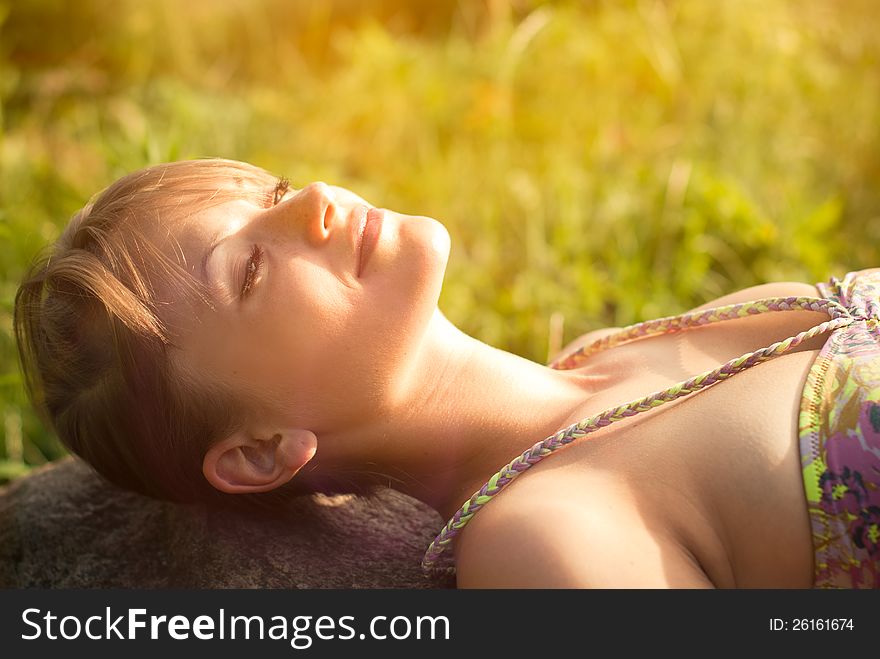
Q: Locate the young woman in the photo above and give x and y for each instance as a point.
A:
(202, 331)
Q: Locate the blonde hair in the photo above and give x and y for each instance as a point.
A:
(94, 340)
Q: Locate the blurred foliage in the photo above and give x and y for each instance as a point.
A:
(606, 161)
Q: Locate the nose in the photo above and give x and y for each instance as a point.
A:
(318, 205)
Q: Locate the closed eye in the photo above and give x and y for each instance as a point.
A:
(254, 265)
(253, 268)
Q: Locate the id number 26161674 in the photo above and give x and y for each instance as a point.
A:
(811, 624)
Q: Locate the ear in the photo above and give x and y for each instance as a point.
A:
(241, 463)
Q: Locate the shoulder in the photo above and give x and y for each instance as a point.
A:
(583, 340)
(776, 289)
(563, 543)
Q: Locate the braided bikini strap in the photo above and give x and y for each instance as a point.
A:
(839, 317)
(693, 319)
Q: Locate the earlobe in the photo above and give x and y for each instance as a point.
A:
(242, 463)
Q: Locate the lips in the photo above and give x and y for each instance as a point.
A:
(368, 236)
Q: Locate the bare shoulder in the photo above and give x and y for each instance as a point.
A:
(776, 289)
(583, 340)
(543, 542)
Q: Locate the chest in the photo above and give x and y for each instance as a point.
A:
(720, 468)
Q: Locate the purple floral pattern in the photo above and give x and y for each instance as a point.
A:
(839, 433)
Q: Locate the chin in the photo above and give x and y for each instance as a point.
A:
(424, 245)
(439, 243)
(414, 278)
(436, 257)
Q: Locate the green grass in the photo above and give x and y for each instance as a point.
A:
(607, 161)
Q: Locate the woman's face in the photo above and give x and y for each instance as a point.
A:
(305, 319)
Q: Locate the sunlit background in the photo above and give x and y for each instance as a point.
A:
(596, 163)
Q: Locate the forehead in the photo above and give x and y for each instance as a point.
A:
(178, 214)
(192, 196)
(185, 208)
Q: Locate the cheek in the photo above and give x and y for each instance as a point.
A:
(335, 351)
(303, 332)
(382, 338)
(328, 380)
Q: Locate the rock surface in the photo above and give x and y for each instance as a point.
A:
(64, 527)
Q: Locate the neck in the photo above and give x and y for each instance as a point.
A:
(466, 410)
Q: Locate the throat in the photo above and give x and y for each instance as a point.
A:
(475, 409)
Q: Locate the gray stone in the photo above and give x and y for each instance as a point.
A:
(63, 526)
